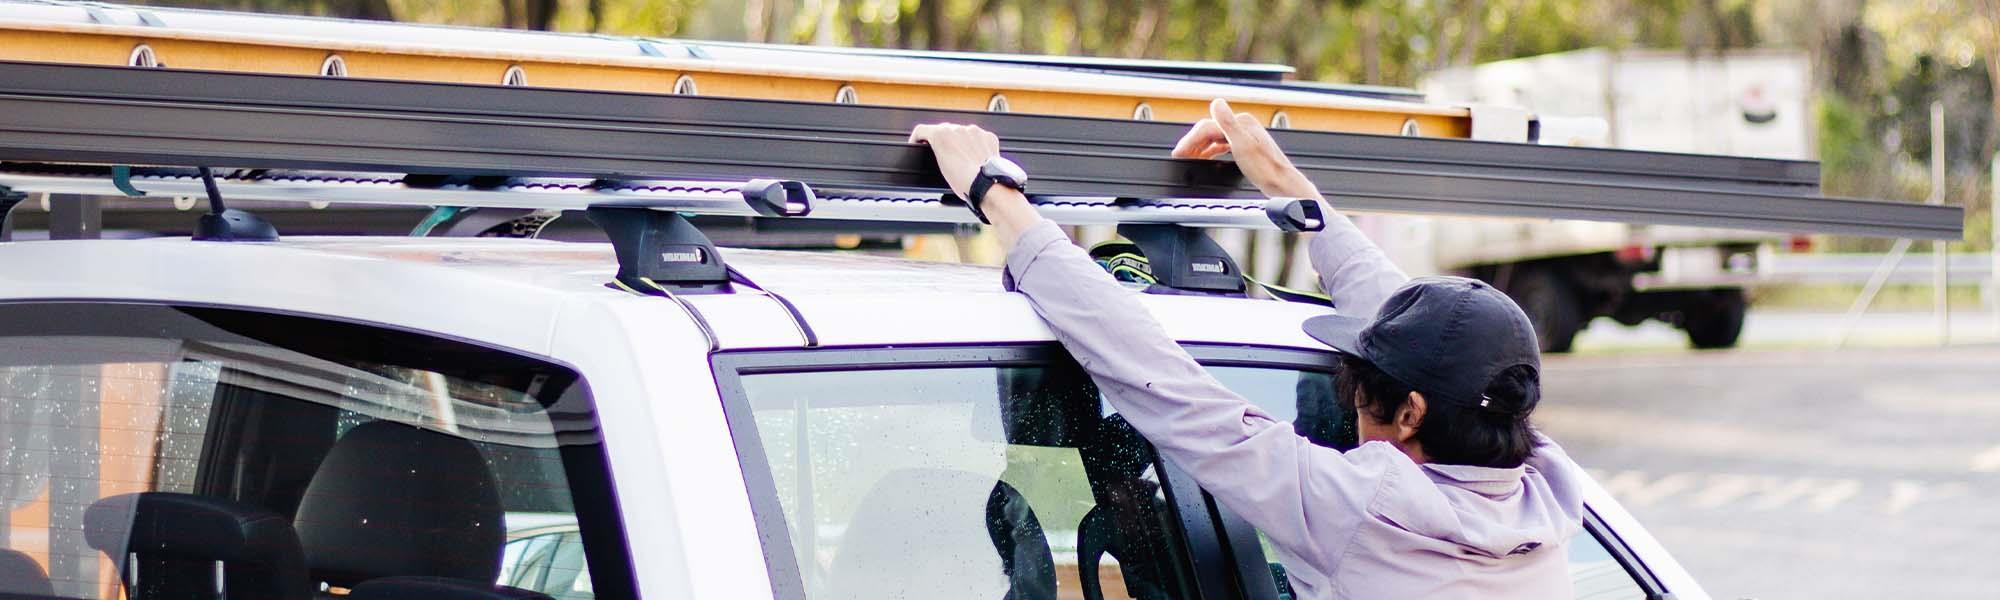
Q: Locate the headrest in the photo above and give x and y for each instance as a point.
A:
(437, 588)
(392, 499)
(171, 525)
(257, 546)
(21, 575)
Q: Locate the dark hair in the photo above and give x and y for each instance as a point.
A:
(1450, 433)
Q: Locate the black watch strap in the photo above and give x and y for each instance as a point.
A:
(976, 195)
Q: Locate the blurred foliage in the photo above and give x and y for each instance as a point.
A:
(1879, 64)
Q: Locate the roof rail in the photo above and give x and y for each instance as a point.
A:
(114, 115)
(752, 198)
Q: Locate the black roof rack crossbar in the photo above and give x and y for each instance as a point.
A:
(113, 115)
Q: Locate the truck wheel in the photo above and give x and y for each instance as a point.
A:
(1715, 319)
(1551, 305)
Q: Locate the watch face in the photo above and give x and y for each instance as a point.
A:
(1005, 171)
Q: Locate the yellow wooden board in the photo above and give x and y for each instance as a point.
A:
(735, 72)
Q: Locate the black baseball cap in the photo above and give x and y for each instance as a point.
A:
(1447, 337)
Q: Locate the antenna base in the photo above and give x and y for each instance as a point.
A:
(233, 225)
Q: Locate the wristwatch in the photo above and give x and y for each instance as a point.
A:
(997, 170)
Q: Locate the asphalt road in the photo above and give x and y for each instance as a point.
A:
(1799, 473)
(1763, 330)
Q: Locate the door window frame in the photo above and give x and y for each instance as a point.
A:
(1627, 559)
(1222, 548)
(586, 467)
(1215, 564)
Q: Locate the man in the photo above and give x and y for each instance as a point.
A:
(1448, 494)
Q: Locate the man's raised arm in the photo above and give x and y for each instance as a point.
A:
(1250, 461)
(1352, 269)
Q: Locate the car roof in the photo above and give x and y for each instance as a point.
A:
(509, 291)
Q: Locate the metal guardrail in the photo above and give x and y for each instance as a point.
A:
(1966, 268)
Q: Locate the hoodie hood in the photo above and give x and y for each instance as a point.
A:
(1494, 513)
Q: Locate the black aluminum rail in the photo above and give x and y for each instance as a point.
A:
(113, 115)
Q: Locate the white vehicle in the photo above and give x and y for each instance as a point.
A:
(246, 416)
(399, 403)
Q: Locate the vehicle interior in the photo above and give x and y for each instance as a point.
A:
(986, 482)
(180, 452)
(1003, 475)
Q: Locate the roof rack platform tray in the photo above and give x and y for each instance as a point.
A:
(160, 117)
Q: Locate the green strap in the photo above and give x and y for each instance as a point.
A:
(1125, 263)
(1292, 295)
(121, 178)
(437, 217)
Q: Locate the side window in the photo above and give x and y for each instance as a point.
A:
(162, 452)
(550, 563)
(1597, 574)
(961, 482)
(1305, 398)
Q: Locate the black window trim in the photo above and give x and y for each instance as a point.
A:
(607, 549)
(1627, 559)
(1251, 571)
(1220, 568)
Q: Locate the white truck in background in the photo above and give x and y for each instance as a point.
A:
(1566, 273)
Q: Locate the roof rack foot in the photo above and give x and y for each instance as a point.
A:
(660, 251)
(1184, 259)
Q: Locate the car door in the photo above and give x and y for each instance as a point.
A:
(965, 472)
(353, 452)
(998, 471)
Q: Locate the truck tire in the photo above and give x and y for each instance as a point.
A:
(1551, 304)
(1714, 319)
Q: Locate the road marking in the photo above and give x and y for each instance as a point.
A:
(1632, 488)
(1821, 495)
(1986, 462)
(1713, 491)
(1904, 493)
(1722, 489)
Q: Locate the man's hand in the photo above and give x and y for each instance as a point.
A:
(961, 150)
(1256, 154)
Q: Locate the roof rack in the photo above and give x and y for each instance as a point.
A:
(116, 115)
(638, 164)
(751, 198)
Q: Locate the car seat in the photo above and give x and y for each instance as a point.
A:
(395, 500)
(924, 533)
(1024, 550)
(168, 544)
(1128, 521)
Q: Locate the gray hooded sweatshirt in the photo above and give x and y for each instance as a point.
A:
(1365, 524)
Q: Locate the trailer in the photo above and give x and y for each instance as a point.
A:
(1740, 103)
